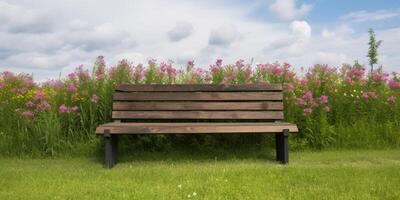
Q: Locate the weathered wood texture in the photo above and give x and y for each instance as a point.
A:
(198, 87)
(197, 96)
(190, 128)
(197, 115)
(197, 106)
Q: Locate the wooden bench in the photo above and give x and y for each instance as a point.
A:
(197, 109)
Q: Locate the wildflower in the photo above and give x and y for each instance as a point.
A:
(207, 78)
(39, 95)
(63, 109)
(327, 109)
(373, 95)
(218, 62)
(307, 110)
(29, 104)
(72, 75)
(289, 86)
(194, 193)
(100, 70)
(71, 88)
(27, 114)
(189, 195)
(74, 108)
(94, 98)
(152, 62)
(391, 99)
(394, 84)
(301, 101)
(179, 186)
(324, 99)
(365, 95)
(44, 105)
(308, 95)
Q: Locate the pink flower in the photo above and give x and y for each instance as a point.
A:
(190, 63)
(45, 105)
(300, 101)
(307, 110)
(75, 108)
(152, 62)
(27, 114)
(63, 109)
(303, 82)
(29, 104)
(373, 95)
(289, 86)
(327, 109)
(207, 78)
(71, 88)
(391, 99)
(365, 95)
(39, 95)
(394, 84)
(308, 95)
(324, 99)
(72, 75)
(94, 98)
(218, 62)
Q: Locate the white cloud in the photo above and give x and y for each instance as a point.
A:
(362, 16)
(288, 10)
(180, 31)
(223, 35)
(129, 30)
(301, 29)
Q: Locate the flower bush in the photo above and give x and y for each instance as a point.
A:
(333, 107)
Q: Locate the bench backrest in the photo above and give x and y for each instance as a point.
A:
(198, 102)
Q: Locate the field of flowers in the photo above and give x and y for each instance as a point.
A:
(342, 107)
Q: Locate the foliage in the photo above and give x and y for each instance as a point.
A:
(310, 175)
(334, 107)
(373, 48)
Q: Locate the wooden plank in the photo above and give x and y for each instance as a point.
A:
(193, 128)
(198, 105)
(197, 87)
(197, 115)
(197, 96)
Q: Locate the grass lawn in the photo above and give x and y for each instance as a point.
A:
(363, 174)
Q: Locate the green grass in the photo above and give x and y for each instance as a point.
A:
(363, 174)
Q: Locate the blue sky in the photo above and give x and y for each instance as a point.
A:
(47, 37)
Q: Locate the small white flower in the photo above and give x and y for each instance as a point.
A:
(344, 94)
(179, 186)
(189, 195)
(351, 95)
(194, 193)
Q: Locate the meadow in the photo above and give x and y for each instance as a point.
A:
(343, 107)
(361, 174)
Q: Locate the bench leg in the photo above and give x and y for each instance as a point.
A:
(110, 142)
(282, 146)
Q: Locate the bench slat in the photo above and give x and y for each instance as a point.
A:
(197, 106)
(198, 96)
(198, 115)
(188, 128)
(197, 87)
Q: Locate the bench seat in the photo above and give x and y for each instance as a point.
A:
(197, 109)
(194, 128)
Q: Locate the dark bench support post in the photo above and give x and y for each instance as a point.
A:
(282, 146)
(111, 143)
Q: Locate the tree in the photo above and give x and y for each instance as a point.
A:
(373, 49)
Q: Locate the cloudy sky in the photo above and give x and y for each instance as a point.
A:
(49, 38)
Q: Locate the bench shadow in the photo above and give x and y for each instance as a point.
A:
(128, 152)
